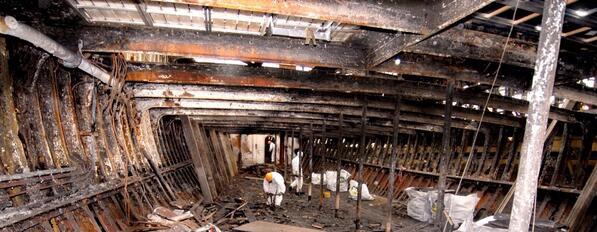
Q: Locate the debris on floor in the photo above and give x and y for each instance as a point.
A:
(262, 226)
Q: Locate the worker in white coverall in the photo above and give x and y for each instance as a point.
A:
(272, 150)
(297, 175)
(273, 185)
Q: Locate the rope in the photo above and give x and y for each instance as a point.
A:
(468, 160)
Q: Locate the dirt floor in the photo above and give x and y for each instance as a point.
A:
(298, 211)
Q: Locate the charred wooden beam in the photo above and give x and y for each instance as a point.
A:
(580, 95)
(223, 46)
(146, 104)
(404, 16)
(444, 163)
(534, 137)
(471, 44)
(445, 14)
(339, 149)
(281, 122)
(407, 128)
(392, 166)
(361, 159)
(290, 79)
(142, 90)
(198, 166)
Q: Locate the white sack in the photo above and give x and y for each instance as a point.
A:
(418, 206)
(459, 208)
(315, 177)
(354, 190)
(331, 177)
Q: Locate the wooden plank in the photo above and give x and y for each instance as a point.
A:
(580, 208)
(261, 226)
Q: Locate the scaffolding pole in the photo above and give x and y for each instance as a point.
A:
(534, 135)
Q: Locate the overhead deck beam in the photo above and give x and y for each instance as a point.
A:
(175, 42)
(174, 91)
(293, 121)
(317, 118)
(147, 104)
(290, 79)
(442, 13)
(406, 16)
(456, 43)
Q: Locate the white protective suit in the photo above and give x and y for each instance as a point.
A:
(275, 189)
(272, 151)
(297, 178)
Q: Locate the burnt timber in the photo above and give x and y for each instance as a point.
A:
(111, 111)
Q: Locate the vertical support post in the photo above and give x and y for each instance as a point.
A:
(498, 151)
(393, 164)
(198, 166)
(446, 153)
(288, 158)
(282, 147)
(485, 152)
(300, 157)
(362, 145)
(310, 189)
(322, 167)
(338, 165)
(563, 144)
(534, 136)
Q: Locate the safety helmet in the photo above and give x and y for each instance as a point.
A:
(269, 176)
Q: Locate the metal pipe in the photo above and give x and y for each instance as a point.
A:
(10, 26)
(534, 137)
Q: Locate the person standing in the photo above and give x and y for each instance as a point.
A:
(297, 174)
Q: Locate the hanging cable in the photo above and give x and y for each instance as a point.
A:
(497, 72)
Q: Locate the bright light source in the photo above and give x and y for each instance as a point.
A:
(397, 61)
(270, 65)
(303, 68)
(585, 107)
(582, 13)
(589, 82)
(538, 28)
(465, 87)
(218, 61)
